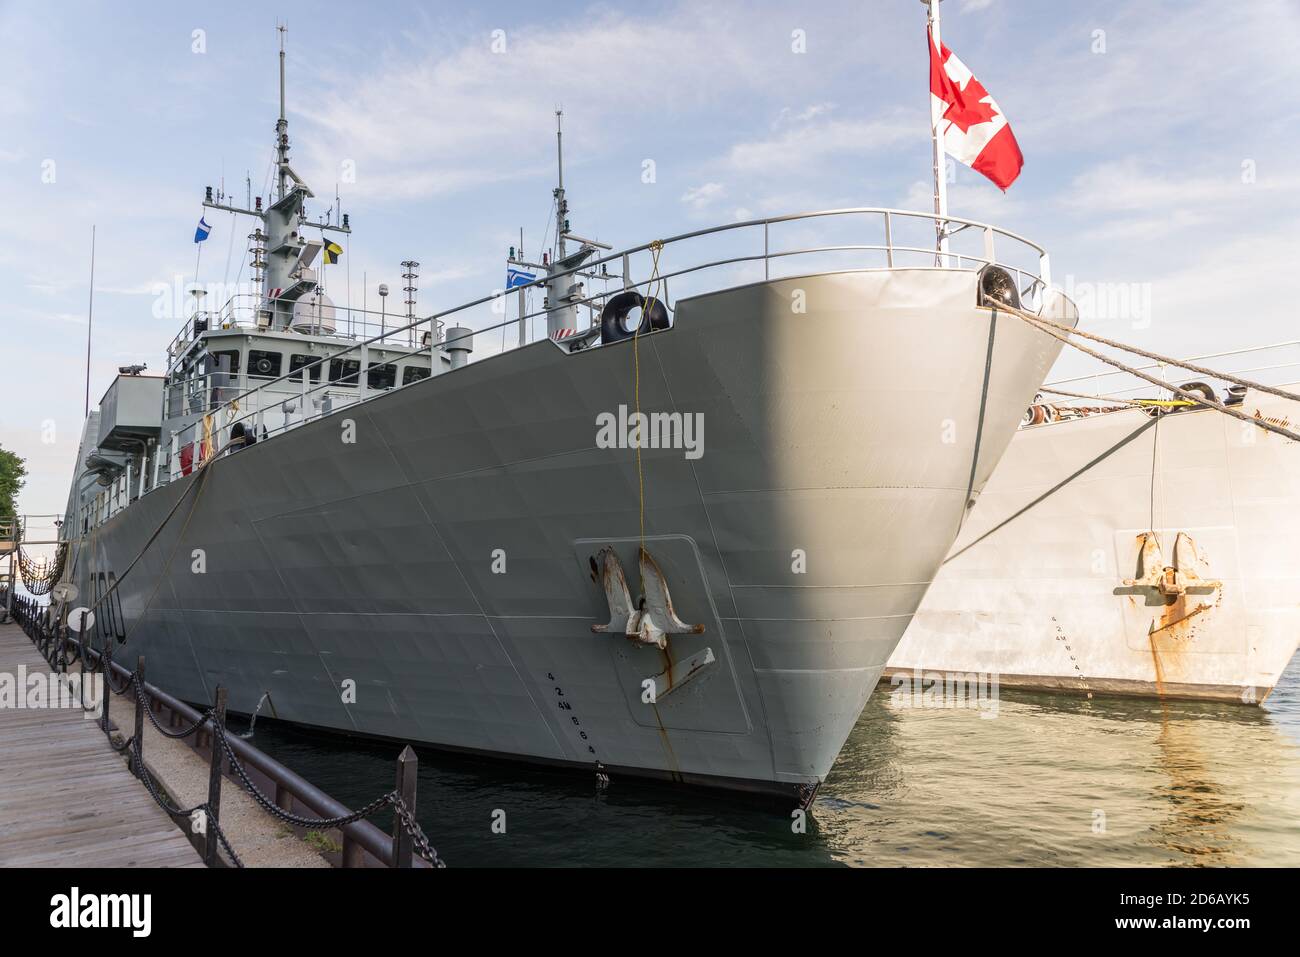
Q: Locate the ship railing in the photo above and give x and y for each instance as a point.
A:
(1276, 363)
(742, 253)
(250, 311)
(247, 312)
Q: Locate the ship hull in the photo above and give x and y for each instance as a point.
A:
(1036, 590)
(421, 567)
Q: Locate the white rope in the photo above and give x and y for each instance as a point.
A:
(1156, 357)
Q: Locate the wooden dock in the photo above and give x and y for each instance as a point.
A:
(66, 798)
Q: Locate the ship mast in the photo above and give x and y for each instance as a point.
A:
(561, 204)
(283, 258)
(281, 128)
(564, 289)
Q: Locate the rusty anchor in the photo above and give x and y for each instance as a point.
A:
(652, 619)
(1184, 575)
(1174, 582)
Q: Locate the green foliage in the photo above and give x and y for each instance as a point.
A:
(323, 843)
(13, 469)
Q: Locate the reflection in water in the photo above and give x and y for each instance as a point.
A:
(1201, 813)
(1051, 780)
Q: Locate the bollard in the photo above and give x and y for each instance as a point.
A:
(139, 716)
(403, 843)
(214, 778)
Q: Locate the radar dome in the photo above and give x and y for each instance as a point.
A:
(314, 312)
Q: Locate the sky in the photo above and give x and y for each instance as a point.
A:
(1160, 141)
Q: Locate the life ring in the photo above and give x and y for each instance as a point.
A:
(613, 318)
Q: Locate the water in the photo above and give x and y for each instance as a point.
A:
(1052, 780)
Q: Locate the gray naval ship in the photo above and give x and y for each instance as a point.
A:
(676, 536)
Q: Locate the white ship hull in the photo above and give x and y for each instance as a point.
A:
(1034, 589)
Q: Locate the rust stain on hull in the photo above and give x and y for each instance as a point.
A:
(673, 767)
(1171, 638)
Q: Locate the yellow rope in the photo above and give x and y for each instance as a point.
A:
(656, 248)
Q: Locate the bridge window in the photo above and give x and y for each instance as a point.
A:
(297, 361)
(232, 354)
(413, 374)
(345, 371)
(264, 364)
(382, 376)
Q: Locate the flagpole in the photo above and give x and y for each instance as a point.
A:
(940, 166)
(197, 255)
(90, 315)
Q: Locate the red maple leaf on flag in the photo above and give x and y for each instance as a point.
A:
(967, 107)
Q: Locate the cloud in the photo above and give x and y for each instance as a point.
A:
(698, 197)
(425, 126)
(1131, 199)
(813, 142)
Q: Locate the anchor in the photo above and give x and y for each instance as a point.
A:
(1186, 573)
(652, 619)
(1174, 582)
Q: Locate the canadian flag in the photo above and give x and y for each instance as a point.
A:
(972, 127)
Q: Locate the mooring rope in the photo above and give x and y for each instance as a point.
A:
(200, 479)
(1051, 327)
(1154, 356)
(1136, 403)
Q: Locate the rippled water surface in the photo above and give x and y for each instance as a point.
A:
(1051, 780)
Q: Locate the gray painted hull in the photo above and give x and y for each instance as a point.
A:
(1035, 589)
(846, 434)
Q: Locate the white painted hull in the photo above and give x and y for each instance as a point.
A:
(1034, 588)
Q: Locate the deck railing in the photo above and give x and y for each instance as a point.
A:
(688, 264)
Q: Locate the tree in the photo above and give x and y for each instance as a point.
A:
(13, 469)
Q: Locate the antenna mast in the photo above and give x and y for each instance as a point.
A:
(411, 275)
(282, 125)
(561, 204)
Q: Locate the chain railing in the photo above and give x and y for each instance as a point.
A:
(55, 643)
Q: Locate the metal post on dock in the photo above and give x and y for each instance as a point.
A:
(81, 659)
(139, 716)
(403, 843)
(214, 777)
(104, 670)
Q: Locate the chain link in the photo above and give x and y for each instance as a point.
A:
(412, 827)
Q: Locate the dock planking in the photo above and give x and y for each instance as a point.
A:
(66, 798)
